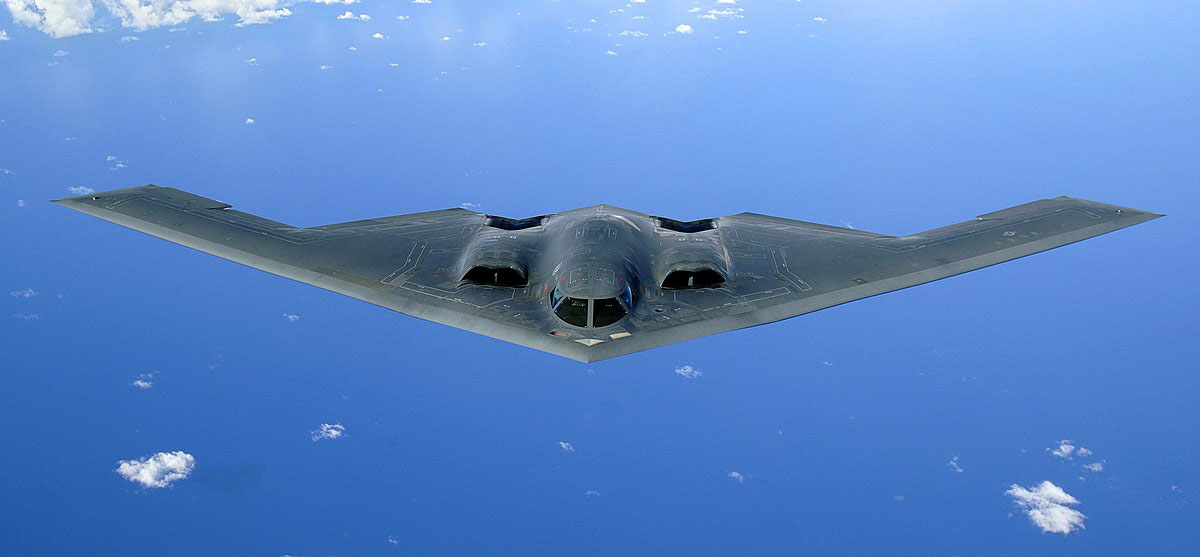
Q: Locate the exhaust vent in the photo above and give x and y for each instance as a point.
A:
(683, 280)
(493, 276)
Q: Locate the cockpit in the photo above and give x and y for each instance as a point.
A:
(591, 312)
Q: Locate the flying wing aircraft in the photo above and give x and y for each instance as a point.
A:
(601, 282)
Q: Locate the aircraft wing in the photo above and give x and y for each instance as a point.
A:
(784, 268)
(405, 263)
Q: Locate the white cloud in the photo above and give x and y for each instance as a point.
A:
(737, 476)
(820, 19)
(633, 34)
(566, 446)
(378, 36)
(1047, 506)
(60, 53)
(401, 17)
(326, 67)
(21, 203)
(422, 1)
(144, 380)
(609, 53)
(591, 493)
(1065, 449)
(350, 15)
(7, 172)
(328, 431)
(80, 190)
(57, 18)
(446, 38)
(727, 13)
(1095, 466)
(683, 28)
(393, 540)
(128, 39)
(27, 293)
(953, 464)
(292, 317)
(4, 36)
(159, 470)
(479, 44)
(249, 121)
(252, 61)
(27, 316)
(688, 372)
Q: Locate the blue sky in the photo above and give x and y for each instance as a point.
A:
(917, 421)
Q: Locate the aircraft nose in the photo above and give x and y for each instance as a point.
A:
(591, 281)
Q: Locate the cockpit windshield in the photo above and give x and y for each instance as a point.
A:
(606, 311)
(584, 313)
(573, 310)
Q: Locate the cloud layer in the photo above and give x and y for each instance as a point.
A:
(67, 18)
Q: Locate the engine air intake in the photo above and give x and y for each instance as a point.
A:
(514, 224)
(683, 280)
(493, 276)
(687, 227)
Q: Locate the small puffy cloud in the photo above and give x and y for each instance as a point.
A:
(609, 53)
(326, 67)
(688, 372)
(1095, 466)
(80, 190)
(1068, 450)
(332, 2)
(60, 53)
(350, 15)
(446, 38)
(727, 13)
(328, 431)
(251, 61)
(401, 17)
(378, 36)
(479, 44)
(7, 172)
(1048, 507)
(26, 293)
(393, 540)
(144, 380)
(820, 19)
(683, 29)
(4, 36)
(566, 446)
(27, 316)
(953, 464)
(291, 317)
(21, 203)
(158, 470)
(422, 1)
(736, 476)
(128, 39)
(591, 493)
(249, 121)
(633, 33)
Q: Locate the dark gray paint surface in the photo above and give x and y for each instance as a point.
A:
(773, 268)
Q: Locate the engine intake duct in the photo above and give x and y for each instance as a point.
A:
(514, 224)
(495, 276)
(688, 279)
(687, 227)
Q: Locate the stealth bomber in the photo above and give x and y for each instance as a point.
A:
(600, 282)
